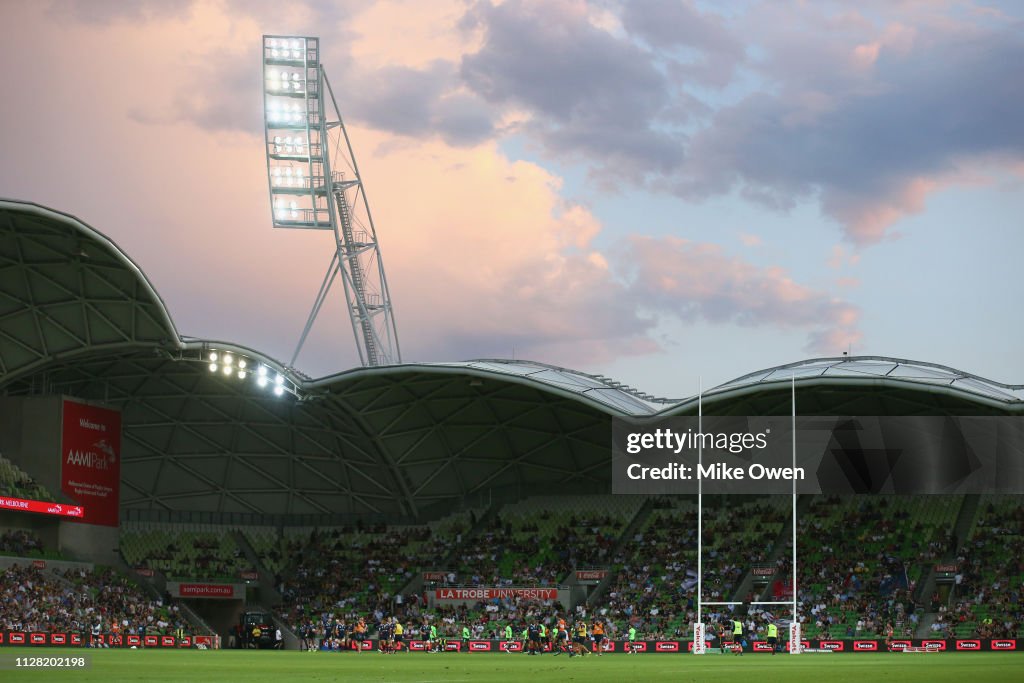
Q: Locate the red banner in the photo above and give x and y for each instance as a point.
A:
(144, 571)
(1004, 644)
(90, 471)
(249, 575)
(434, 576)
(39, 564)
(41, 506)
(865, 646)
(495, 593)
(833, 645)
(591, 574)
(968, 644)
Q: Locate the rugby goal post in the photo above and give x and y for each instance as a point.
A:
(699, 632)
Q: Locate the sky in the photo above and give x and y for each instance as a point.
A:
(666, 193)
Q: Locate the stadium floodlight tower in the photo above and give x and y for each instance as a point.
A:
(314, 184)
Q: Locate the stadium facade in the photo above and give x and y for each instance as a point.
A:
(79, 318)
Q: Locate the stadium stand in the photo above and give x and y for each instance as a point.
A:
(17, 483)
(988, 600)
(185, 551)
(33, 599)
(21, 543)
(359, 569)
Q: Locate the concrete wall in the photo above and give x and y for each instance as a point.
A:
(90, 542)
(30, 433)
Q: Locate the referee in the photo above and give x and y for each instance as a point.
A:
(773, 636)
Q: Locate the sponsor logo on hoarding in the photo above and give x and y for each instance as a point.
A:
(968, 644)
(90, 461)
(666, 646)
(206, 590)
(698, 645)
(864, 646)
(833, 645)
(58, 639)
(479, 646)
(496, 593)
(434, 576)
(1004, 644)
(761, 646)
(590, 574)
(934, 644)
(41, 507)
(37, 638)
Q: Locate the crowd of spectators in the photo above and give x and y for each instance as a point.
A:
(20, 542)
(77, 600)
(360, 569)
(988, 596)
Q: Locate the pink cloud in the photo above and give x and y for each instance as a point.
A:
(749, 240)
(706, 283)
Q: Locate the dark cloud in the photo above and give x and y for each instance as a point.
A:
(869, 152)
(706, 50)
(593, 94)
(418, 102)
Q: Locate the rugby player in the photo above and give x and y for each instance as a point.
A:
(399, 634)
(508, 638)
(597, 631)
(580, 641)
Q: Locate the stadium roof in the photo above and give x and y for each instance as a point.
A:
(78, 317)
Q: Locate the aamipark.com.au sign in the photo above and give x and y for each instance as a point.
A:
(832, 455)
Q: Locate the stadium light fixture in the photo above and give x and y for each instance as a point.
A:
(314, 183)
(233, 366)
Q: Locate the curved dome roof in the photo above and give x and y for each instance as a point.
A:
(66, 290)
(892, 370)
(78, 317)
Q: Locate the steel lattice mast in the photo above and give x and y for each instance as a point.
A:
(314, 184)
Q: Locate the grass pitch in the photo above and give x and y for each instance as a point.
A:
(109, 666)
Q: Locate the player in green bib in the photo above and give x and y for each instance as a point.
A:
(465, 638)
(632, 639)
(432, 643)
(508, 638)
(773, 636)
(737, 637)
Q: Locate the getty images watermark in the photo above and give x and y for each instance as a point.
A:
(831, 455)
